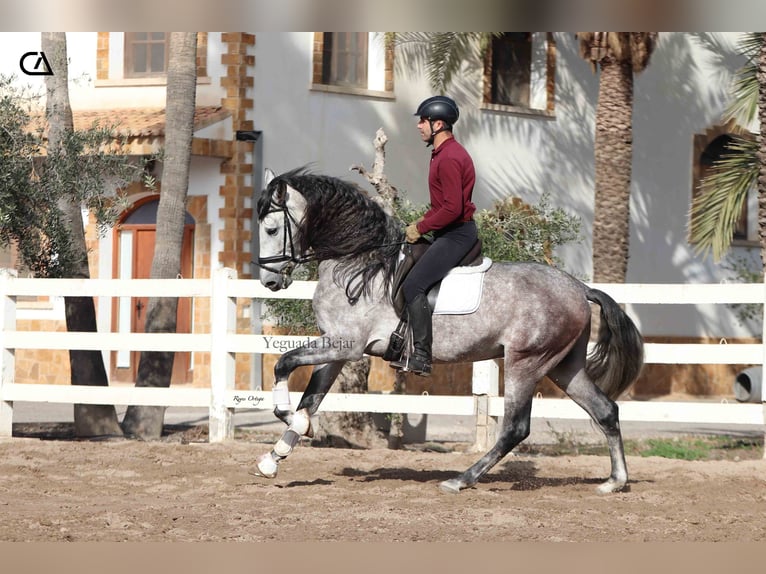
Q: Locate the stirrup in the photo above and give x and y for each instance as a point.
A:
(420, 365)
(399, 364)
(416, 364)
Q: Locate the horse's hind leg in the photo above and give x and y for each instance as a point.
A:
(519, 389)
(515, 429)
(605, 413)
(571, 377)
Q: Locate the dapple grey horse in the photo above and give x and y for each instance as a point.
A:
(535, 317)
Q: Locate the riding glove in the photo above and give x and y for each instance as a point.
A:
(412, 233)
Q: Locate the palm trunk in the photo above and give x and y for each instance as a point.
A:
(155, 368)
(762, 148)
(87, 367)
(613, 163)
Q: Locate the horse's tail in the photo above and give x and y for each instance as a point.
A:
(618, 355)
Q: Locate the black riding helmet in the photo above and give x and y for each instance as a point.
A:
(438, 108)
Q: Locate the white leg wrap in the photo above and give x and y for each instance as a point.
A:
(301, 422)
(286, 444)
(281, 396)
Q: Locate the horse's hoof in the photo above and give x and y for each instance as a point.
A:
(451, 486)
(611, 486)
(266, 466)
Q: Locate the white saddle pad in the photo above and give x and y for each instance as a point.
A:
(460, 291)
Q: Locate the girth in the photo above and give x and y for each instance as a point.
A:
(414, 251)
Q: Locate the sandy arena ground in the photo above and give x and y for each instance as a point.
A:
(188, 490)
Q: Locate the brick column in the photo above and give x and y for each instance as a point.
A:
(237, 189)
(236, 213)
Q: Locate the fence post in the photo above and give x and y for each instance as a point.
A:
(223, 321)
(7, 356)
(486, 376)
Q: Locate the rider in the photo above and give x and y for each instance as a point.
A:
(451, 179)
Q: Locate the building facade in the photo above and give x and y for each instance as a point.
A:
(310, 98)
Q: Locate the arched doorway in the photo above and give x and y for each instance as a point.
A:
(134, 240)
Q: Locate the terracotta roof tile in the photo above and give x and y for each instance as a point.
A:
(141, 122)
(137, 122)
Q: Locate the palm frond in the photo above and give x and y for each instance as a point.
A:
(446, 52)
(744, 106)
(716, 210)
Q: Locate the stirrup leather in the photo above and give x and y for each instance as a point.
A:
(397, 342)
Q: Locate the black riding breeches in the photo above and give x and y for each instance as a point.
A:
(448, 249)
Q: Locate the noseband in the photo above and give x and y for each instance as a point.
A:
(293, 258)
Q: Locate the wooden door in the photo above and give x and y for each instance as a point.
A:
(140, 240)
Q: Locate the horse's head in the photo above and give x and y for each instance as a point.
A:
(280, 211)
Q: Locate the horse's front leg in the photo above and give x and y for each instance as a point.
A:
(321, 378)
(286, 364)
(299, 422)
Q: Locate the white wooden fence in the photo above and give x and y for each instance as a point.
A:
(223, 341)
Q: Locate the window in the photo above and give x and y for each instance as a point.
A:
(140, 58)
(357, 63)
(709, 148)
(344, 59)
(519, 73)
(146, 54)
(511, 68)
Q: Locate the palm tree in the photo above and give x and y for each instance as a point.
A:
(716, 209)
(155, 367)
(762, 146)
(618, 56)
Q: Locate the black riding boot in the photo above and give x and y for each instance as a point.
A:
(422, 334)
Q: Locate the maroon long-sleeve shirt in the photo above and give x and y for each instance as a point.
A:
(451, 178)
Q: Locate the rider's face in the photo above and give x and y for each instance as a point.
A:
(424, 128)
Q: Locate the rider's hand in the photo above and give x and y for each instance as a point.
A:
(412, 233)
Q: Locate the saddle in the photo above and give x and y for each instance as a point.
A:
(411, 252)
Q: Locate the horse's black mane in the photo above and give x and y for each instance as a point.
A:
(341, 223)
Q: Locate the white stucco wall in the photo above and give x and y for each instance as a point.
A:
(85, 92)
(521, 155)
(683, 92)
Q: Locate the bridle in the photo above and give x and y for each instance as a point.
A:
(293, 258)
